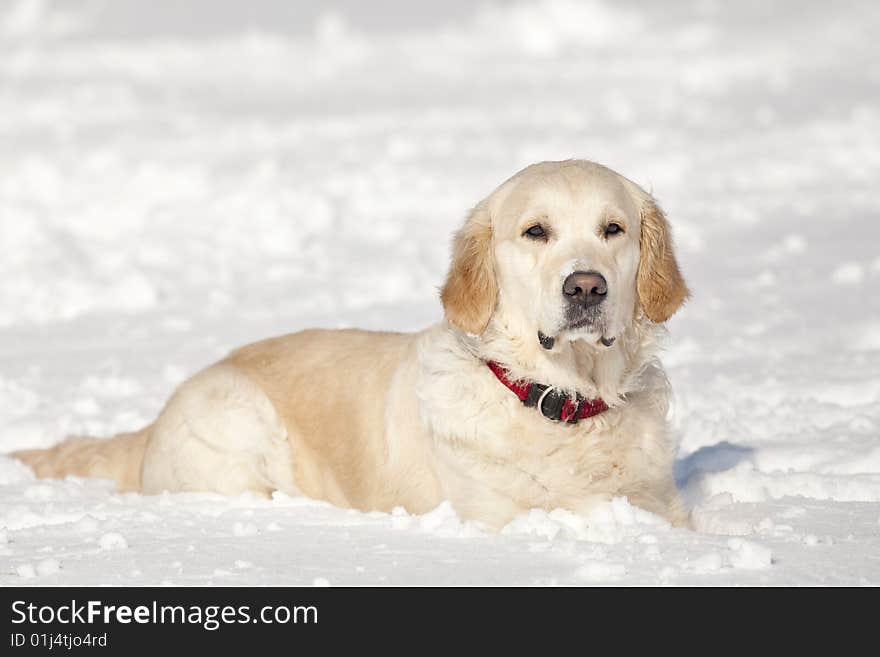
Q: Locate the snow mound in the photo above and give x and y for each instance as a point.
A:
(113, 541)
(609, 522)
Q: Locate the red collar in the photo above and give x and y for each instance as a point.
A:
(548, 400)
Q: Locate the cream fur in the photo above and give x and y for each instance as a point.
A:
(378, 420)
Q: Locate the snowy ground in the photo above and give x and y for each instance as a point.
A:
(177, 179)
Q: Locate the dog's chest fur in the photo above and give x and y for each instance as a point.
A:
(496, 457)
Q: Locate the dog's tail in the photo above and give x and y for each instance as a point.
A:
(118, 458)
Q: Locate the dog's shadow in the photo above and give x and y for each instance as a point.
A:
(690, 471)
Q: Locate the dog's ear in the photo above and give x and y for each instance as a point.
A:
(471, 292)
(661, 287)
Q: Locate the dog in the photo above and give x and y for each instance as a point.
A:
(539, 388)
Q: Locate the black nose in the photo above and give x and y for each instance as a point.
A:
(585, 288)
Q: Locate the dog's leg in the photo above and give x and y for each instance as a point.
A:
(219, 433)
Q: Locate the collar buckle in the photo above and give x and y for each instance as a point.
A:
(548, 400)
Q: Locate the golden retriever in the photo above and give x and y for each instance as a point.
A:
(539, 388)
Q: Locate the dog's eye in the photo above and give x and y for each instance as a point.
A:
(613, 229)
(536, 232)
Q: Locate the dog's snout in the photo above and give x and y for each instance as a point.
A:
(585, 288)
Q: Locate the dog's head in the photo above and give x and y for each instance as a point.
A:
(563, 250)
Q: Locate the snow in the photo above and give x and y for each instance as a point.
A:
(42, 568)
(174, 184)
(848, 273)
(113, 541)
(749, 555)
